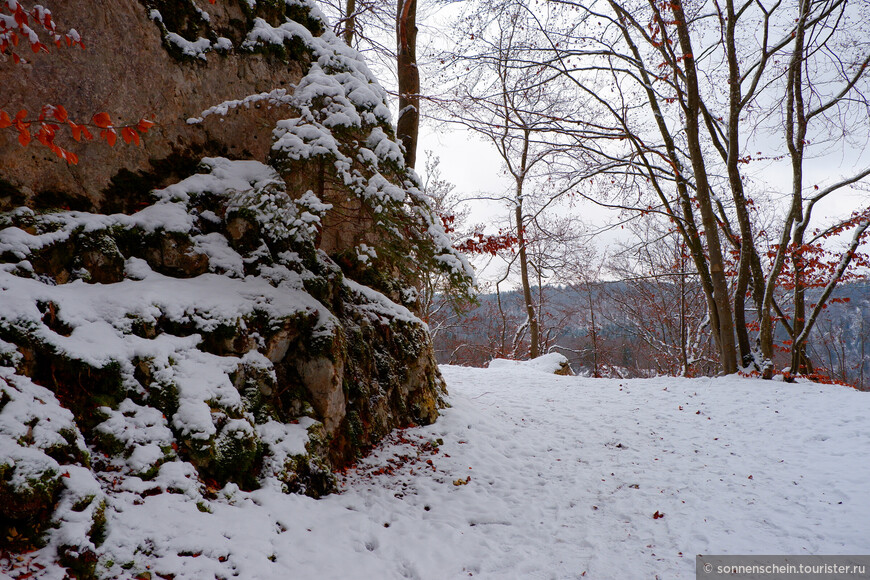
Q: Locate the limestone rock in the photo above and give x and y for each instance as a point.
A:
(174, 254)
(122, 41)
(198, 354)
(324, 380)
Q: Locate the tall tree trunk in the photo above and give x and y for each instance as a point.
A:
(685, 223)
(502, 345)
(727, 350)
(796, 132)
(593, 333)
(408, 125)
(746, 273)
(684, 329)
(800, 364)
(534, 333)
(349, 21)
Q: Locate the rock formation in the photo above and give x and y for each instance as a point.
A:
(156, 59)
(174, 322)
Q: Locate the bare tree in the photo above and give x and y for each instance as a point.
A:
(659, 301)
(518, 109)
(408, 124)
(366, 25)
(807, 101)
(438, 308)
(655, 73)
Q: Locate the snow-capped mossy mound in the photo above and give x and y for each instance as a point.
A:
(200, 341)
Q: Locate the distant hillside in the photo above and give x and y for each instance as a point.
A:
(637, 331)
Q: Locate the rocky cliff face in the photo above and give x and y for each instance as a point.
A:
(156, 59)
(226, 328)
(204, 331)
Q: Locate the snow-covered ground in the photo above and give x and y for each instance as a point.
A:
(531, 475)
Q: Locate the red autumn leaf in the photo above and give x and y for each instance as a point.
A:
(20, 17)
(5, 121)
(21, 115)
(60, 113)
(658, 515)
(23, 137)
(144, 125)
(110, 136)
(76, 130)
(102, 120)
(130, 134)
(45, 135)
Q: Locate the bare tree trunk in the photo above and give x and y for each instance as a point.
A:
(534, 336)
(684, 329)
(863, 360)
(748, 254)
(503, 333)
(728, 358)
(593, 333)
(408, 125)
(796, 131)
(685, 223)
(349, 21)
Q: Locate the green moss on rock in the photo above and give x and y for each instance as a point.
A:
(237, 451)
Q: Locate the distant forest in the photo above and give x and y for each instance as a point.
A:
(643, 329)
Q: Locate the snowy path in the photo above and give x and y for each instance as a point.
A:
(565, 477)
(567, 474)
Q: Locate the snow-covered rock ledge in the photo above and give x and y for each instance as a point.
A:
(197, 346)
(553, 363)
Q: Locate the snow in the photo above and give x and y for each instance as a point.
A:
(380, 308)
(262, 32)
(548, 363)
(98, 313)
(532, 475)
(274, 97)
(285, 440)
(196, 48)
(222, 258)
(80, 488)
(243, 182)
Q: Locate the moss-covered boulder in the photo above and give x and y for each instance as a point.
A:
(39, 440)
